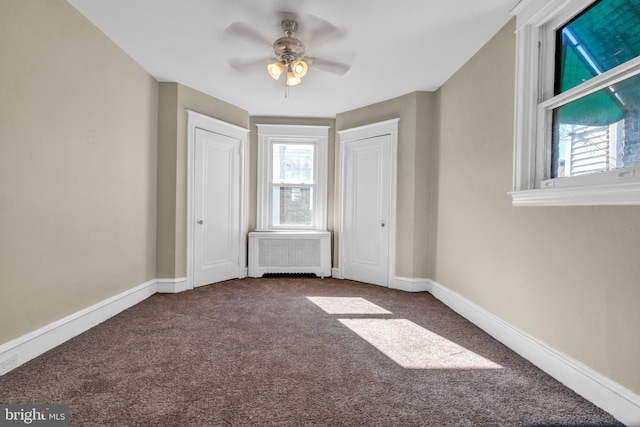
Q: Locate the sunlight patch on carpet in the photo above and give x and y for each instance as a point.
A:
(414, 347)
(347, 305)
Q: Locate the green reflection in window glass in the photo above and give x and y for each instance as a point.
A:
(604, 36)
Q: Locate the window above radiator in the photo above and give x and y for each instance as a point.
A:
(292, 177)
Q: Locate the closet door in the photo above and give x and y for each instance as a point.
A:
(216, 227)
(217, 208)
(367, 205)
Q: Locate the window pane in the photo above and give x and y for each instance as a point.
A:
(598, 132)
(293, 163)
(292, 206)
(603, 37)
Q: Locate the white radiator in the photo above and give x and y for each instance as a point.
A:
(290, 252)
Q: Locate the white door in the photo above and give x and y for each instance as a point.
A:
(367, 192)
(217, 234)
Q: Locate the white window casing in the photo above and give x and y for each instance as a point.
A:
(537, 21)
(318, 136)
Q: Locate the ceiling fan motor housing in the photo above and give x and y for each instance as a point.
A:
(289, 48)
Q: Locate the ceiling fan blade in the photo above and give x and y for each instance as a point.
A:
(249, 64)
(334, 67)
(320, 31)
(240, 30)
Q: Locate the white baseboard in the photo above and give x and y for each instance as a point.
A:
(172, 286)
(400, 283)
(20, 350)
(410, 284)
(619, 401)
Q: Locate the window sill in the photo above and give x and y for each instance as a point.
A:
(593, 195)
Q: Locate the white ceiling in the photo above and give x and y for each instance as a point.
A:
(394, 47)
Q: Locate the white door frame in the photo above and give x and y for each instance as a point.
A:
(388, 127)
(200, 121)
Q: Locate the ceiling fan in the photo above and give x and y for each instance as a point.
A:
(289, 52)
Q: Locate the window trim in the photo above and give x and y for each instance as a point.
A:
(537, 21)
(292, 134)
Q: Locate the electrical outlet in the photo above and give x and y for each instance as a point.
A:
(8, 364)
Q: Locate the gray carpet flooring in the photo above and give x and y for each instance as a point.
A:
(261, 352)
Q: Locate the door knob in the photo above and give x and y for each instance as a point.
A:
(200, 221)
(383, 223)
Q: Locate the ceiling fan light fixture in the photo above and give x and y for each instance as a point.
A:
(289, 52)
(275, 69)
(299, 68)
(292, 79)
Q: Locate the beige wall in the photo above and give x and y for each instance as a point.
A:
(78, 122)
(174, 100)
(414, 256)
(167, 170)
(569, 276)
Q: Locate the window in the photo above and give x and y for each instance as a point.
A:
(577, 129)
(292, 184)
(292, 177)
